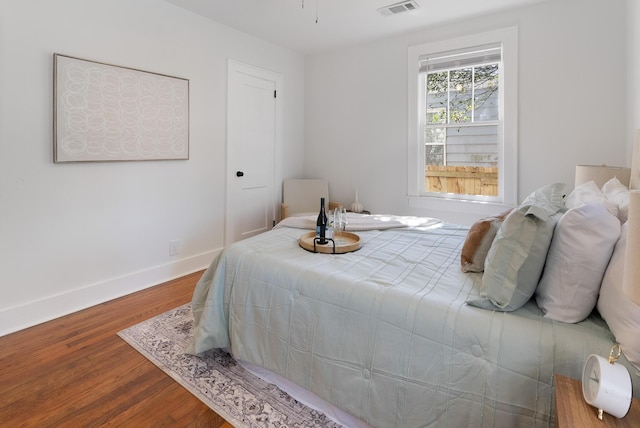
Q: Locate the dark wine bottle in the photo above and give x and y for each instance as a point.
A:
(321, 224)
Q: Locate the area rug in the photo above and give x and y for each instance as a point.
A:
(215, 378)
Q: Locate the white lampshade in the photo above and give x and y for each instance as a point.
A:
(631, 278)
(600, 174)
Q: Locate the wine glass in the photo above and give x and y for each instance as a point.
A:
(343, 224)
(338, 222)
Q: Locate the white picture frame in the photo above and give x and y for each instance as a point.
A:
(104, 112)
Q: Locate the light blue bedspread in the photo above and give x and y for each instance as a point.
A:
(384, 332)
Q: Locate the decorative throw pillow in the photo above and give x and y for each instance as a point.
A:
(580, 250)
(620, 313)
(589, 193)
(516, 258)
(476, 245)
(617, 193)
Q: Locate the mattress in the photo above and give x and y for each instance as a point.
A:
(384, 333)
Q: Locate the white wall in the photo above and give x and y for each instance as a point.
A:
(356, 103)
(73, 235)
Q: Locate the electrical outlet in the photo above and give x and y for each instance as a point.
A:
(174, 248)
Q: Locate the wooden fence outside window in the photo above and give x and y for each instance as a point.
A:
(463, 180)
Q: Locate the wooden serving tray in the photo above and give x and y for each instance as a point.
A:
(349, 242)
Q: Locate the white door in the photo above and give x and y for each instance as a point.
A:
(252, 141)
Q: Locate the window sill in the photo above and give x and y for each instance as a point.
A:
(456, 210)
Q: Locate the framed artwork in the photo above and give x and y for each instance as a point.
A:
(103, 112)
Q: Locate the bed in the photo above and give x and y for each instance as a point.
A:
(398, 333)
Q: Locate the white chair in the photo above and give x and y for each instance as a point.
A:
(301, 196)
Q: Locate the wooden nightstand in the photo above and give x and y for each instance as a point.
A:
(573, 412)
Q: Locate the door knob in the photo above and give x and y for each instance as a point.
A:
(239, 173)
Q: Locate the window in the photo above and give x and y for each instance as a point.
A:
(462, 99)
(463, 119)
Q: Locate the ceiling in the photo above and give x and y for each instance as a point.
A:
(292, 23)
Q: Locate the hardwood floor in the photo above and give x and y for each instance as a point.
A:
(75, 372)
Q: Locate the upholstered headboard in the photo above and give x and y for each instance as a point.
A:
(634, 182)
(632, 267)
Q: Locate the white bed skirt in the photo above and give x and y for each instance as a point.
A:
(307, 398)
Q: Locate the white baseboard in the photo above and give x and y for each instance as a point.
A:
(38, 311)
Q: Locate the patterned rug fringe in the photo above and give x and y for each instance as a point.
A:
(215, 378)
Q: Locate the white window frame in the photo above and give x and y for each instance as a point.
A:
(507, 130)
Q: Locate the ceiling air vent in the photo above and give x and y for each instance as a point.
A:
(403, 6)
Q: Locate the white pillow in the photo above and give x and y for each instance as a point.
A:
(617, 193)
(589, 193)
(578, 256)
(620, 313)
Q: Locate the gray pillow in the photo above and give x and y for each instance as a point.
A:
(516, 259)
